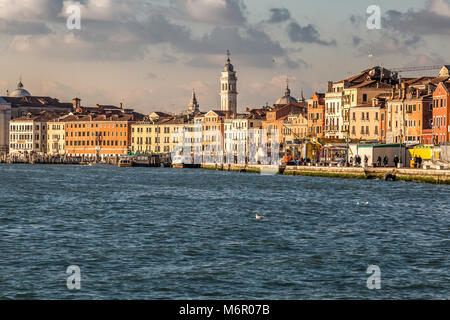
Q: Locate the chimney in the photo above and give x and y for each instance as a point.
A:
(121, 105)
(329, 86)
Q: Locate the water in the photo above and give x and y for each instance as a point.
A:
(153, 233)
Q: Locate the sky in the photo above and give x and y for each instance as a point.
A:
(150, 54)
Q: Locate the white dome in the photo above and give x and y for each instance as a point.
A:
(286, 99)
(20, 91)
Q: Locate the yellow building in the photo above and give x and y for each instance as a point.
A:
(295, 126)
(158, 136)
(56, 137)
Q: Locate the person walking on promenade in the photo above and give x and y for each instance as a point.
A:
(366, 161)
(396, 161)
(379, 161)
(385, 161)
(419, 162)
(357, 160)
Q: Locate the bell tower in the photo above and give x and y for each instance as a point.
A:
(228, 92)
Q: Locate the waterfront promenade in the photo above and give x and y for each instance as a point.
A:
(403, 174)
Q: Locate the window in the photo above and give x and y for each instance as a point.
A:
(364, 98)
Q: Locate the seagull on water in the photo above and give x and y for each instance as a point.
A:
(258, 217)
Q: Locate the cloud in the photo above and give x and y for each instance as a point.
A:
(308, 34)
(356, 21)
(356, 41)
(14, 27)
(440, 7)
(434, 19)
(422, 60)
(167, 58)
(127, 30)
(30, 10)
(217, 12)
(386, 45)
(203, 61)
(279, 15)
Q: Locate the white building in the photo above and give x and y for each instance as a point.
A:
(334, 99)
(237, 134)
(5, 116)
(28, 134)
(228, 92)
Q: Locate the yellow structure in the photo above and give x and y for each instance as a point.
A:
(56, 137)
(158, 137)
(425, 152)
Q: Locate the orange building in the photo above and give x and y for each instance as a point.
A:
(368, 121)
(441, 113)
(92, 136)
(418, 116)
(276, 117)
(316, 115)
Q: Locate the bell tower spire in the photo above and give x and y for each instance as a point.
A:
(228, 82)
(193, 107)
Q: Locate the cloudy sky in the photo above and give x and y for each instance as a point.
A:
(150, 54)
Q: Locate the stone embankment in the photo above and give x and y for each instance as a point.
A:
(403, 174)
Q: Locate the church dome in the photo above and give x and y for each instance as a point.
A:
(286, 99)
(20, 91)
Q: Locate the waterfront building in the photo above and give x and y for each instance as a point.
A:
(276, 117)
(371, 83)
(441, 113)
(368, 121)
(161, 136)
(96, 136)
(294, 132)
(409, 110)
(334, 98)
(56, 136)
(213, 128)
(236, 135)
(295, 126)
(316, 115)
(5, 116)
(228, 91)
(28, 134)
(351, 92)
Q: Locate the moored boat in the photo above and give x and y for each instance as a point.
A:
(124, 162)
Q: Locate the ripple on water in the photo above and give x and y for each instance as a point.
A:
(154, 233)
